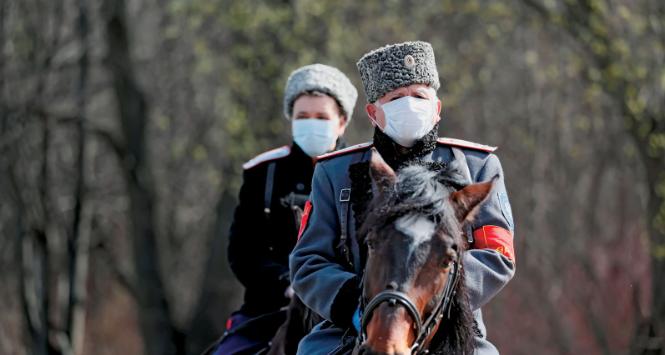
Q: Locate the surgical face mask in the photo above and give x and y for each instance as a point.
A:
(408, 119)
(314, 136)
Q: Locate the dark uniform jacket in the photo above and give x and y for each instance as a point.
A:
(264, 227)
(331, 286)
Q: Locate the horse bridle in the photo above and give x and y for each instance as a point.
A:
(423, 329)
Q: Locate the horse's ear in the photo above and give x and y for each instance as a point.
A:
(383, 176)
(467, 200)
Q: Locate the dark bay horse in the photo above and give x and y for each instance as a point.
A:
(414, 300)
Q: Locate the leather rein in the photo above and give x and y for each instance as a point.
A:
(423, 329)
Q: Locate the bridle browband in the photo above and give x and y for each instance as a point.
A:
(423, 329)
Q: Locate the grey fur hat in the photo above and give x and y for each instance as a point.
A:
(396, 65)
(323, 78)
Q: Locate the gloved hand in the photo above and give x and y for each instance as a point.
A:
(355, 320)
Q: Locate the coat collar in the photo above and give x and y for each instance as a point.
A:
(397, 156)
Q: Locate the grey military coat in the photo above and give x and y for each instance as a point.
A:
(331, 287)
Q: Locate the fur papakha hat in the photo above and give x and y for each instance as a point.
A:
(396, 65)
(323, 78)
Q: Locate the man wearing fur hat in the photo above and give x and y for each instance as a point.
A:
(319, 101)
(400, 83)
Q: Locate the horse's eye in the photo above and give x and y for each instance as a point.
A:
(445, 264)
(449, 258)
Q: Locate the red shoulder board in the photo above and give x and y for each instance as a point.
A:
(466, 144)
(351, 149)
(267, 156)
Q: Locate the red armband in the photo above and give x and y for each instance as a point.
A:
(495, 238)
(305, 218)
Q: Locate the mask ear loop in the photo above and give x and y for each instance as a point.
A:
(378, 106)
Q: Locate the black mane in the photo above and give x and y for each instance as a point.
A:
(421, 187)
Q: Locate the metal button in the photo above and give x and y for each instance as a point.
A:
(345, 195)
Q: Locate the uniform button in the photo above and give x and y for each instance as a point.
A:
(300, 186)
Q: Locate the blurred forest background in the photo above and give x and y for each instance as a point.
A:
(124, 124)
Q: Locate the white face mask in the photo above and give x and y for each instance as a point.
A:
(408, 119)
(314, 136)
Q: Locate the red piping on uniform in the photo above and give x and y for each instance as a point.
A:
(305, 218)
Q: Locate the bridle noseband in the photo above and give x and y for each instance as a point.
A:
(423, 329)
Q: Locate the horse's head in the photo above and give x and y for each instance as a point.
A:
(412, 282)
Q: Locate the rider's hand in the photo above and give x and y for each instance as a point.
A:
(355, 320)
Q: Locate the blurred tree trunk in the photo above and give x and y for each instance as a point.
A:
(34, 293)
(78, 240)
(208, 319)
(617, 73)
(159, 334)
(33, 253)
(34, 223)
(650, 337)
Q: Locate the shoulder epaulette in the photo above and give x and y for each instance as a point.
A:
(466, 144)
(272, 154)
(351, 149)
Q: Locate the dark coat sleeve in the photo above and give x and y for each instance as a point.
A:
(488, 271)
(248, 251)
